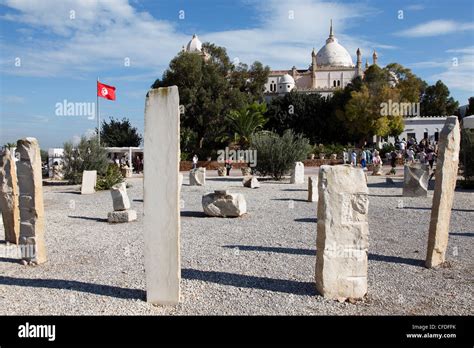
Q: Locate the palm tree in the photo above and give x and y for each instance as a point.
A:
(246, 121)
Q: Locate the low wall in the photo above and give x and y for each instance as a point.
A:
(213, 165)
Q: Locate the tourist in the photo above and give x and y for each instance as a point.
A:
(403, 146)
(195, 161)
(393, 159)
(354, 158)
(430, 157)
(422, 156)
(345, 156)
(410, 155)
(377, 163)
(363, 160)
(228, 166)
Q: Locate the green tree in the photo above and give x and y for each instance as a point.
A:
(119, 133)
(245, 122)
(470, 107)
(87, 155)
(436, 101)
(209, 89)
(411, 87)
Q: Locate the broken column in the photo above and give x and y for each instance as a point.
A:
(343, 229)
(297, 174)
(31, 240)
(121, 203)
(161, 196)
(224, 204)
(197, 177)
(445, 184)
(9, 197)
(312, 189)
(250, 181)
(415, 180)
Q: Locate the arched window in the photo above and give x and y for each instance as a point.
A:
(338, 83)
(334, 83)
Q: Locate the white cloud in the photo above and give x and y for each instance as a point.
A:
(12, 99)
(459, 75)
(435, 28)
(105, 33)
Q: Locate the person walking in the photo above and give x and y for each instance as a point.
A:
(410, 155)
(363, 160)
(228, 166)
(354, 158)
(430, 158)
(195, 161)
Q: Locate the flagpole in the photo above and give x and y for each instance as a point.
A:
(97, 110)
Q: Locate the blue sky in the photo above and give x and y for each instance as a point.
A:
(52, 50)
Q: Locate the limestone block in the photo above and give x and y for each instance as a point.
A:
(312, 189)
(30, 183)
(122, 216)
(119, 197)
(445, 184)
(224, 204)
(342, 233)
(161, 196)
(9, 197)
(250, 181)
(89, 180)
(197, 177)
(297, 174)
(415, 180)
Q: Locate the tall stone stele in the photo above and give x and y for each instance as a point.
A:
(32, 243)
(9, 197)
(161, 196)
(446, 176)
(342, 239)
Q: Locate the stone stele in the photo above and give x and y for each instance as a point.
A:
(343, 229)
(161, 196)
(297, 174)
(415, 180)
(122, 216)
(224, 204)
(119, 197)
(89, 180)
(197, 177)
(9, 197)
(32, 243)
(312, 189)
(445, 184)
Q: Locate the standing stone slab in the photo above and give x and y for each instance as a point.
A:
(343, 229)
(9, 197)
(32, 243)
(297, 174)
(161, 196)
(120, 198)
(446, 176)
(89, 180)
(415, 180)
(312, 189)
(197, 177)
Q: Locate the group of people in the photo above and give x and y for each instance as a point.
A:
(412, 151)
(408, 151)
(124, 161)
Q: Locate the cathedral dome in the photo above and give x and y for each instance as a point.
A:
(333, 54)
(288, 79)
(195, 45)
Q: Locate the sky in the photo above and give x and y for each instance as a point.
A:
(51, 51)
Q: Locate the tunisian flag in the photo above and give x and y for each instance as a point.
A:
(105, 91)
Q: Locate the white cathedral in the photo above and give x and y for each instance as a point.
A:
(331, 68)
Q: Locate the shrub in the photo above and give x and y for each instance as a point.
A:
(276, 154)
(87, 155)
(112, 176)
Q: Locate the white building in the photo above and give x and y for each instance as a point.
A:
(423, 127)
(330, 69)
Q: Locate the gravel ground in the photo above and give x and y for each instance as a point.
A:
(262, 263)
